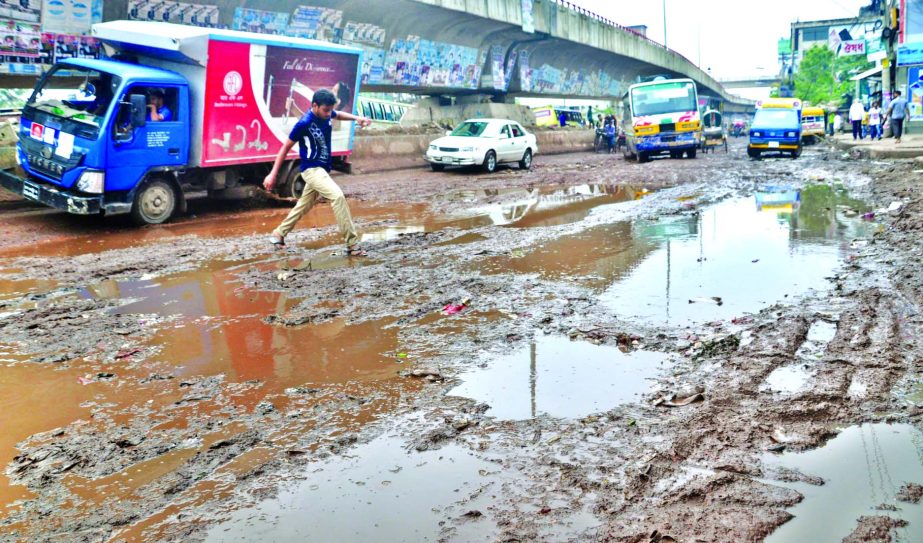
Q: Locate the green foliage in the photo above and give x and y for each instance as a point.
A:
(822, 77)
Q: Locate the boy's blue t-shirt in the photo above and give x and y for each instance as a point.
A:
(317, 133)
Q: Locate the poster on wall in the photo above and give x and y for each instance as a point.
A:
(363, 34)
(316, 23)
(205, 15)
(496, 67)
(21, 10)
(21, 42)
(263, 22)
(71, 16)
(528, 19)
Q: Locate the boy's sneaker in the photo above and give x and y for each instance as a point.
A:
(277, 240)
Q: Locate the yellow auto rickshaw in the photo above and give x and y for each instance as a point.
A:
(713, 134)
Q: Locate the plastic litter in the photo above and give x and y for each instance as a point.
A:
(710, 300)
(868, 216)
(451, 309)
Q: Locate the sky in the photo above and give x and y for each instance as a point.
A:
(735, 38)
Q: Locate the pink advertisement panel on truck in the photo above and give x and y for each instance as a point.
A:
(255, 93)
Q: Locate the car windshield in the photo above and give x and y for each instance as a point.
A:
(469, 129)
(663, 98)
(79, 94)
(776, 118)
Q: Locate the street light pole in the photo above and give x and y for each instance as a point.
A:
(665, 23)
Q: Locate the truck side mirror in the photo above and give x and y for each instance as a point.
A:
(138, 110)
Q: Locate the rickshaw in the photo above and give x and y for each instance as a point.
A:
(713, 131)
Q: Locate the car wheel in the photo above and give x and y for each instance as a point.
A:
(526, 162)
(490, 162)
(154, 203)
(437, 167)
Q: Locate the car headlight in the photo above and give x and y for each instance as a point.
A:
(92, 181)
(468, 149)
(432, 147)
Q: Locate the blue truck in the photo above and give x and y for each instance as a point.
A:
(173, 110)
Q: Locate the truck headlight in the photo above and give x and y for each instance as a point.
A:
(92, 181)
(756, 134)
(790, 134)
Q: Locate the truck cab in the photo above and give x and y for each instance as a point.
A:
(776, 128)
(88, 145)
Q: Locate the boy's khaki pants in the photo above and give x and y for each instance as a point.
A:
(317, 183)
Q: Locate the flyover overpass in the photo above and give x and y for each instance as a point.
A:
(554, 49)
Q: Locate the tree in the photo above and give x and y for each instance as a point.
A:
(822, 77)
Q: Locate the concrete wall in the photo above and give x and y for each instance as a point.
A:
(429, 112)
(384, 153)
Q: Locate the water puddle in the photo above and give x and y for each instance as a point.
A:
(377, 492)
(792, 378)
(561, 378)
(864, 467)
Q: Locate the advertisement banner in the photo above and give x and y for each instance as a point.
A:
(255, 94)
(29, 11)
(71, 16)
(264, 22)
(171, 12)
(910, 53)
(854, 47)
(496, 67)
(915, 92)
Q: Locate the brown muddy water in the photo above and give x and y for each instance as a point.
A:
(750, 252)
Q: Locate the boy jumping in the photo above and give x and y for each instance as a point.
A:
(316, 127)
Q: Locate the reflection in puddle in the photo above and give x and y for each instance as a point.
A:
(863, 467)
(748, 258)
(793, 377)
(561, 378)
(377, 492)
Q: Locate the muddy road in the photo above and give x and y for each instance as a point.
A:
(596, 350)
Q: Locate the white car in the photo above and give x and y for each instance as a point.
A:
(484, 142)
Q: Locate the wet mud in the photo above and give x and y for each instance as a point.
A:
(715, 349)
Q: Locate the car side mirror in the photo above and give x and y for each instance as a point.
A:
(138, 110)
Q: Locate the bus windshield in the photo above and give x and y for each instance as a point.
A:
(776, 118)
(663, 98)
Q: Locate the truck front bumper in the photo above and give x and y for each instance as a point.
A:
(51, 196)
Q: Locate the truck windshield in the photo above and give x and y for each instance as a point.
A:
(663, 98)
(75, 93)
(776, 118)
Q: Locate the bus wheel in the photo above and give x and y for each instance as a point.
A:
(154, 203)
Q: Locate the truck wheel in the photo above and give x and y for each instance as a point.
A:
(490, 162)
(690, 153)
(643, 157)
(154, 203)
(753, 153)
(796, 153)
(437, 167)
(294, 185)
(526, 162)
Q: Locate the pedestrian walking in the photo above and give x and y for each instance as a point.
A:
(837, 123)
(856, 112)
(875, 121)
(898, 111)
(313, 133)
